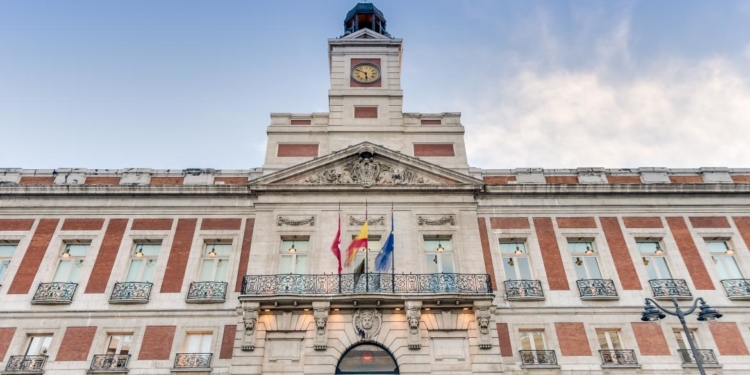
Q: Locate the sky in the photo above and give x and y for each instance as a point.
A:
(553, 84)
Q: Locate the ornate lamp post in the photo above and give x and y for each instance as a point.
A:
(654, 312)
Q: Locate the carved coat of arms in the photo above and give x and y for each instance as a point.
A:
(367, 323)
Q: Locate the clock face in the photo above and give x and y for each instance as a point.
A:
(365, 73)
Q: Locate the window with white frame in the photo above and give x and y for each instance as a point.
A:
(38, 344)
(198, 342)
(654, 259)
(439, 254)
(143, 262)
(119, 343)
(215, 262)
(373, 244)
(584, 259)
(682, 341)
(515, 260)
(532, 340)
(609, 339)
(6, 254)
(71, 263)
(293, 256)
(722, 255)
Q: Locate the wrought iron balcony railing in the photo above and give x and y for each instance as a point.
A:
(446, 283)
(110, 362)
(207, 292)
(668, 288)
(192, 360)
(54, 293)
(707, 356)
(538, 357)
(131, 292)
(523, 290)
(737, 288)
(26, 363)
(621, 357)
(597, 289)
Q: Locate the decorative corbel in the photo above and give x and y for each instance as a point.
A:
(483, 316)
(320, 313)
(250, 321)
(413, 316)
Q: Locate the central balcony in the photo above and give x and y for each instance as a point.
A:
(109, 364)
(707, 357)
(538, 358)
(524, 290)
(26, 364)
(196, 361)
(619, 358)
(738, 289)
(131, 292)
(670, 288)
(597, 289)
(207, 292)
(54, 294)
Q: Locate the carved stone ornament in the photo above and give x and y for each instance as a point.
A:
(443, 220)
(320, 314)
(370, 221)
(413, 315)
(250, 322)
(367, 171)
(367, 323)
(283, 220)
(483, 316)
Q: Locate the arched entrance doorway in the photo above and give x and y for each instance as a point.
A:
(367, 359)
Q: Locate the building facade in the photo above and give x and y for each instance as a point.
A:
(522, 271)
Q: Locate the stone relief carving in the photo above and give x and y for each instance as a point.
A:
(366, 171)
(413, 315)
(367, 323)
(370, 221)
(283, 220)
(250, 321)
(483, 316)
(447, 219)
(320, 314)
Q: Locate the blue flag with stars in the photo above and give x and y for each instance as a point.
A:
(384, 260)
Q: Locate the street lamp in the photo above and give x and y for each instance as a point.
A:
(653, 312)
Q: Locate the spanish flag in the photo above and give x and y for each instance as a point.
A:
(359, 242)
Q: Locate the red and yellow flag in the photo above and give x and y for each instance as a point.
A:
(359, 242)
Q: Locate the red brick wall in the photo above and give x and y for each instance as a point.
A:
(690, 254)
(686, 179)
(33, 257)
(300, 122)
(365, 112)
(498, 180)
(650, 338)
(486, 254)
(247, 240)
(642, 222)
(740, 179)
(709, 222)
(82, 224)
(297, 150)
(231, 180)
(561, 179)
(76, 344)
(157, 342)
(227, 341)
(743, 226)
(29, 180)
(573, 339)
(620, 253)
(553, 265)
(378, 83)
(431, 122)
(91, 180)
(6, 335)
(105, 259)
(576, 222)
(178, 256)
(166, 180)
(151, 224)
(16, 224)
(503, 336)
(433, 149)
(624, 179)
(221, 224)
(509, 223)
(728, 338)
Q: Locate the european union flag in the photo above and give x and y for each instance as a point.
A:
(384, 260)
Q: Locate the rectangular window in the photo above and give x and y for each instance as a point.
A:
(198, 342)
(293, 258)
(38, 344)
(682, 342)
(722, 255)
(143, 262)
(439, 254)
(6, 255)
(654, 259)
(609, 339)
(119, 343)
(532, 340)
(373, 244)
(215, 263)
(515, 260)
(584, 259)
(71, 263)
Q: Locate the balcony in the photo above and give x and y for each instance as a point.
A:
(26, 364)
(597, 289)
(192, 361)
(524, 290)
(706, 355)
(131, 292)
(737, 289)
(109, 364)
(207, 292)
(669, 288)
(619, 358)
(538, 359)
(54, 294)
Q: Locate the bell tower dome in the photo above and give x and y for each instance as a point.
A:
(365, 16)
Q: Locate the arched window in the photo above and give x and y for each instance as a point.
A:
(366, 359)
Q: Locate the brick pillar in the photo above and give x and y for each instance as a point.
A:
(728, 338)
(503, 335)
(690, 254)
(247, 240)
(650, 338)
(486, 253)
(553, 264)
(157, 342)
(178, 256)
(227, 341)
(33, 257)
(620, 254)
(573, 339)
(6, 335)
(105, 259)
(76, 344)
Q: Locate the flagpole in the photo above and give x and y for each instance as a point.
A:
(367, 254)
(393, 257)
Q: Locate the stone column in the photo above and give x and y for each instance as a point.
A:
(320, 313)
(483, 316)
(413, 316)
(250, 321)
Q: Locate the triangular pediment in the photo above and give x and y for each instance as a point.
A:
(365, 34)
(367, 165)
